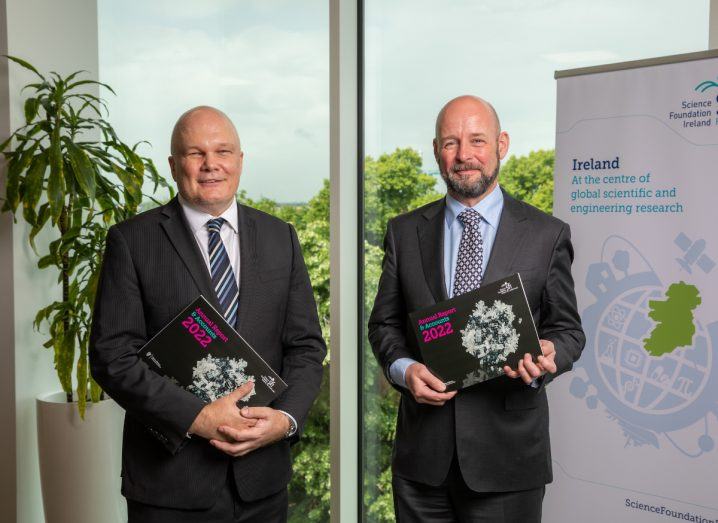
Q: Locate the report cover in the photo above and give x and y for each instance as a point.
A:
(469, 338)
(202, 353)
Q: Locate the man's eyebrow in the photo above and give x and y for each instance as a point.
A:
(472, 135)
(199, 148)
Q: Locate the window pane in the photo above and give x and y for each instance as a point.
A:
(418, 55)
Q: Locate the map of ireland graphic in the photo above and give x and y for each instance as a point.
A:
(674, 318)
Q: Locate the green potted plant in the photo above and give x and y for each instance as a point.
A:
(68, 172)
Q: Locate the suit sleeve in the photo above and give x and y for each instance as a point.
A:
(303, 346)
(387, 322)
(560, 321)
(118, 331)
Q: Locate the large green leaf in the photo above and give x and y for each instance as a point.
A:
(29, 215)
(92, 285)
(82, 376)
(46, 261)
(12, 188)
(72, 76)
(87, 104)
(34, 180)
(82, 168)
(58, 84)
(129, 181)
(29, 131)
(43, 314)
(38, 87)
(92, 82)
(136, 163)
(72, 188)
(4, 145)
(67, 239)
(42, 217)
(64, 358)
(24, 64)
(92, 101)
(31, 107)
(79, 210)
(15, 171)
(95, 391)
(55, 184)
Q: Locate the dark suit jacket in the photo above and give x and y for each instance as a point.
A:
(499, 429)
(151, 270)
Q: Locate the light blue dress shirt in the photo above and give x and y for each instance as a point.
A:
(490, 210)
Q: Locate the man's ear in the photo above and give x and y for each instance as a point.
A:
(171, 161)
(503, 144)
(436, 150)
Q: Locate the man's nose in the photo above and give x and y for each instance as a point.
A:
(210, 162)
(463, 153)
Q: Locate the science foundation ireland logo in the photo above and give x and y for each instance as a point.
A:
(705, 85)
(649, 359)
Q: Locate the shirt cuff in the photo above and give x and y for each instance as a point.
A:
(397, 371)
(292, 422)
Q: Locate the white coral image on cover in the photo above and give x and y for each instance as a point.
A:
(213, 378)
(489, 335)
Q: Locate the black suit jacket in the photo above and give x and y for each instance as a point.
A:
(151, 270)
(498, 429)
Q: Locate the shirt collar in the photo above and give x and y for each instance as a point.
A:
(198, 219)
(489, 208)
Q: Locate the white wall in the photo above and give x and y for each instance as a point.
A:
(60, 36)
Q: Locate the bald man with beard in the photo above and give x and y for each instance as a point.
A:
(483, 453)
(184, 460)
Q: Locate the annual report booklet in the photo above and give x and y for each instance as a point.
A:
(469, 338)
(202, 353)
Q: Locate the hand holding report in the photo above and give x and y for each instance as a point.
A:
(472, 337)
(529, 371)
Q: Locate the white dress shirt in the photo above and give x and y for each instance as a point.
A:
(229, 233)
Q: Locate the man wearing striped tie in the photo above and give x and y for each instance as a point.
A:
(184, 460)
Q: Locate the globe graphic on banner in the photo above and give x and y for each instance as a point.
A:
(648, 394)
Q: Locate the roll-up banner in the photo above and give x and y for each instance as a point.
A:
(634, 428)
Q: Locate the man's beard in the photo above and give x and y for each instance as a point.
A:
(465, 188)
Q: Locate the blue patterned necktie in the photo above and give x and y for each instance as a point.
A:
(225, 284)
(468, 275)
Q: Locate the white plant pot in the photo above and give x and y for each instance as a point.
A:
(80, 460)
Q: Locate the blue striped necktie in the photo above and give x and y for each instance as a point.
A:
(225, 284)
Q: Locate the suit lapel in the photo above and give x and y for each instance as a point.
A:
(431, 245)
(179, 234)
(508, 240)
(247, 264)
